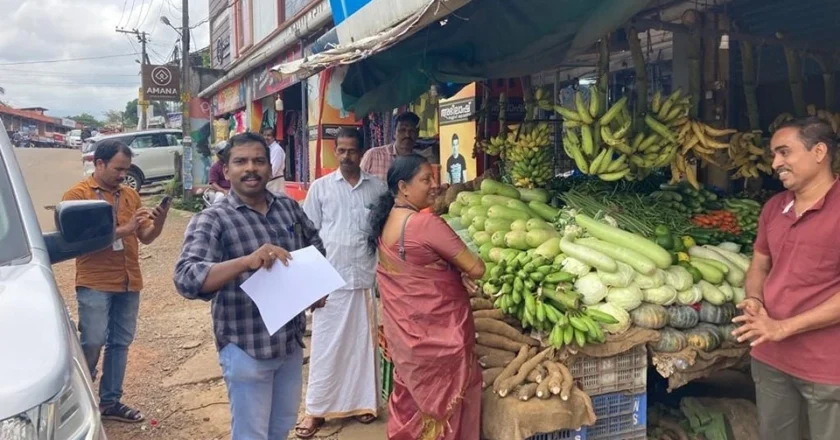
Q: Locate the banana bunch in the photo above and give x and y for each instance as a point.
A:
(579, 327)
(748, 156)
(683, 166)
(530, 157)
(496, 146)
(517, 283)
(701, 140)
(832, 119)
(596, 139)
(542, 98)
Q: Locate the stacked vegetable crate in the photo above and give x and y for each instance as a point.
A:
(618, 388)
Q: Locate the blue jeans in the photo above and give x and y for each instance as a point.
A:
(264, 394)
(107, 319)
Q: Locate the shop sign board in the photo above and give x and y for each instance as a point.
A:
(228, 99)
(69, 123)
(161, 83)
(262, 82)
(460, 110)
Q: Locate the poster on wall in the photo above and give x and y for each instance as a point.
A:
(457, 137)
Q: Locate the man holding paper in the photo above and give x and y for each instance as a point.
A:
(342, 371)
(223, 246)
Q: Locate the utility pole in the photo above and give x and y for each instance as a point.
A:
(142, 37)
(186, 96)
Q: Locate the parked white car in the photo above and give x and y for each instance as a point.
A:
(45, 388)
(154, 155)
(74, 138)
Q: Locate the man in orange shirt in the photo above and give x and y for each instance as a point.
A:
(108, 282)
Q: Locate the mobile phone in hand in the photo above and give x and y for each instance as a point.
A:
(165, 202)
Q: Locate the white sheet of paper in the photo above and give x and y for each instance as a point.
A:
(285, 291)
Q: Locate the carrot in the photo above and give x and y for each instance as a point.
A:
(510, 383)
(498, 341)
(511, 368)
(503, 329)
(489, 375)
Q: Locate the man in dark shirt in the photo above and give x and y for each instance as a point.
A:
(456, 165)
(223, 246)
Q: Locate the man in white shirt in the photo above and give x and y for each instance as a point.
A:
(342, 367)
(277, 184)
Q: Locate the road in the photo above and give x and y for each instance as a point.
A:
(173, 375)
(48, 172)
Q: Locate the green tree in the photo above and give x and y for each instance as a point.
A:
(86, 119)
(130, 113)
(114, 117)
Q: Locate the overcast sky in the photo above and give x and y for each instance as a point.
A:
(46, 30)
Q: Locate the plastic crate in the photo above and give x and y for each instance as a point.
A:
(620, 416)
(386, 375)
(625, 372)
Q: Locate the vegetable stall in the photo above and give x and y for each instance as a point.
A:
(564, 288)
(616, 214)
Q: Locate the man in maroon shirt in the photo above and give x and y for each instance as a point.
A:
(792, 310)
(219, 184)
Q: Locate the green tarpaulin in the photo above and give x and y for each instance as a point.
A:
(485, 39)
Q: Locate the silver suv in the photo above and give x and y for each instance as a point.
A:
(45, 388)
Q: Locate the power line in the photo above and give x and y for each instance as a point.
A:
(18, 63)
(133, 47)
(130, 13)
(140, 18)
(122, 15)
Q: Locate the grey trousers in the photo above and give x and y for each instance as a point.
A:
(788, 406)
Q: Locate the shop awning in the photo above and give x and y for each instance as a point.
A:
(484, 39)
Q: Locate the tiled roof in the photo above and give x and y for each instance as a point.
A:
(25, 114)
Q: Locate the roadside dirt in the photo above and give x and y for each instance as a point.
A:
(173, 375)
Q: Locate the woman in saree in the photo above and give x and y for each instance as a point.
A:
(423, 274)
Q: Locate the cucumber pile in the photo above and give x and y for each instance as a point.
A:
(520, 247)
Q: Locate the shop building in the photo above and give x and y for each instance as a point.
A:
(248, 37)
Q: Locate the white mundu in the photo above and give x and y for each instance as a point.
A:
(342, 368)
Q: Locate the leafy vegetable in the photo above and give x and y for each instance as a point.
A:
(690, 296)
(620, 278)
(627, 298)
(591, 287)
(576, 267)
(651, 282)
(616, 312)
(679, 278)
(662, 295)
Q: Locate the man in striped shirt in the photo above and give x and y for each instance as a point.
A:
(223, 246)
(377, 160)
(342, 372)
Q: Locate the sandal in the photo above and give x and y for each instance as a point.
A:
(121, 413)
(365, 419)
(310, 432)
